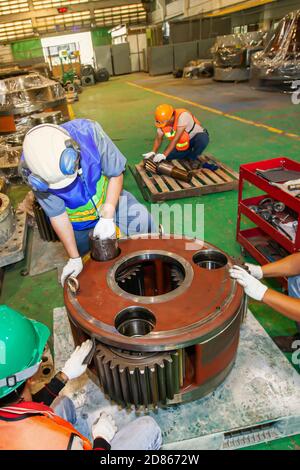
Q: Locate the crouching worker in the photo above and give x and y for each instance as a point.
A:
(76, 173)
(188, 139)
(29, 423)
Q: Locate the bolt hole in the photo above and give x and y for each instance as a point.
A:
(135, 321)
(46, 371)
(210, 259)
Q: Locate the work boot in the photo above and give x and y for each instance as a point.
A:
(285, 343)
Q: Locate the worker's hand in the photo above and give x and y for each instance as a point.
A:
(73, 267)
(255, 271)
(253, 287)
(74, 366)
(105, 228)
(159, 157)
(148, 155)
(104, 427)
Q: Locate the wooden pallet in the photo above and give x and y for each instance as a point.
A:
(161, 188)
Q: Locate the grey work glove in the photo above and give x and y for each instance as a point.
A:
(104, 427)
(252, 286)
(74, 366)
(73, 267)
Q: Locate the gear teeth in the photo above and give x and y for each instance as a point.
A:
(139, 380)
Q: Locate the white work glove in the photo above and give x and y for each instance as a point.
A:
(73, 267)
(253, 287)
(105, 228)
(255, 271)
(104, 427)
(74, 366)
(148, 155)
(159, 157)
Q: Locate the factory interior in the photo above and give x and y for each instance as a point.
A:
(149, 225)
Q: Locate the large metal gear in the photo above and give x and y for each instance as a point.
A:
(140, 379)
(164, 315)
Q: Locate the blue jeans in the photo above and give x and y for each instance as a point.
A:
(197, 145)
(131, 217)
(141, 434)
(294, 289)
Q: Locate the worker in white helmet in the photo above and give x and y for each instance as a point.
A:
(76, 173)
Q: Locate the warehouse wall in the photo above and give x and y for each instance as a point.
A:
(101, 37)
(27, 49)
(182, 29)
(82, 39)
(182, 9)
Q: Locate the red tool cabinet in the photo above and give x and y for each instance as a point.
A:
(264, 229)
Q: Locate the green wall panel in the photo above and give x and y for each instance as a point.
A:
(101, 37)
(27, 49)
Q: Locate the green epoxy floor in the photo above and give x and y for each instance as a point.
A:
(126, 113)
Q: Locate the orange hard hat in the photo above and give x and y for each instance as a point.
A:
(163, 114)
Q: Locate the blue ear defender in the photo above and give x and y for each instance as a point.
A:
(37, 183)
(69, 159)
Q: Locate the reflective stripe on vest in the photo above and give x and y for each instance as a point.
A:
(170, 132)
(87, 211)
(45, 431)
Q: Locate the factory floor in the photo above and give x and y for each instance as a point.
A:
(244, 125)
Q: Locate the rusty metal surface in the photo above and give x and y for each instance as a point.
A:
(165, 317)
(103, 250)
(207, 305)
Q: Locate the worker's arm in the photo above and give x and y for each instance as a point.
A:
(51, 390)
(289, 266)
(158, 141)
(114, 190)
(173, 143)
(288, 306)
(64, 230)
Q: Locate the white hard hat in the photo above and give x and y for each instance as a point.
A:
(42, 148)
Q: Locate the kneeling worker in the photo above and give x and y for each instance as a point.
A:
(288, 305)
(76, 173)
(29, 423)
(188, 139)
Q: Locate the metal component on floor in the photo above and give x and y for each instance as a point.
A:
(13, 231)
(155, 187)
(53, 117)
(43, 223)
(165, 319)
(7, 220)
(103, 250)
(168, 169)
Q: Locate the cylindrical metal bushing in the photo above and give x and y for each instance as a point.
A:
(7, 219)
(165, 317)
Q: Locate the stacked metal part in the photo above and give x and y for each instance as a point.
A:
(278, 65)
(232, 55)
(29, 93)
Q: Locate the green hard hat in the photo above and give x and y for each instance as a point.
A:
(22, 342)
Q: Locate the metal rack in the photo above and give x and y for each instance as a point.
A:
(264, 230)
